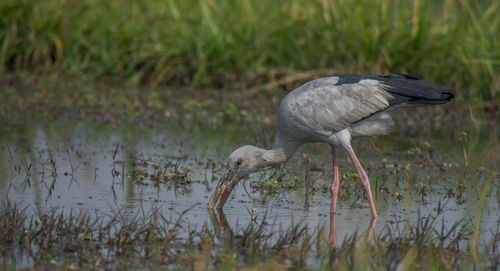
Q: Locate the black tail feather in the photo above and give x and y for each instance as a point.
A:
(410, 90)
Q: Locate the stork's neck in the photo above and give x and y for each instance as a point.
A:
(280, 153)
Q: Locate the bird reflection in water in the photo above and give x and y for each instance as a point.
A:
(332, 238)
(222, 228)
(219, 223)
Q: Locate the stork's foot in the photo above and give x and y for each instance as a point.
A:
(366, 185)
(333, 233)
(370, 228)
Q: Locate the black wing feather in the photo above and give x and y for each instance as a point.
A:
(405, 88)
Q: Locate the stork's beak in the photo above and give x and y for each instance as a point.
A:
(223, 189)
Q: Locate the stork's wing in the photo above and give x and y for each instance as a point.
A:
(327, 107)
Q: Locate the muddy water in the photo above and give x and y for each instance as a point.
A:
(81, 166)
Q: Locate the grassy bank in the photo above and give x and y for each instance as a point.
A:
(249, 43)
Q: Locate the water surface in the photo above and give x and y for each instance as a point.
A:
(97, 167)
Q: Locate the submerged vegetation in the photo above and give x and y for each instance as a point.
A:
(254, 43)
(83, 240)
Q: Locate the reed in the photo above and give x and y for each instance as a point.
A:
(218, 43)
(54, 239)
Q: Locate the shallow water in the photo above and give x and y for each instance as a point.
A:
(96, 170)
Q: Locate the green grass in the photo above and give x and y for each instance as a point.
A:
(239, 43)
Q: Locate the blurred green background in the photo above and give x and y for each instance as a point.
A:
(223, 44)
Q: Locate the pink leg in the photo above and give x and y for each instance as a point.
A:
(336, 182)
(370, 229)
(364, 179)
(333, 232)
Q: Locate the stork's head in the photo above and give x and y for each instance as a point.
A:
(243, 161)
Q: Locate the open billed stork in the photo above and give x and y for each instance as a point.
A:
(334, 110)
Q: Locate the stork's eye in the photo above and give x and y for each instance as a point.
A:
(239, 162)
